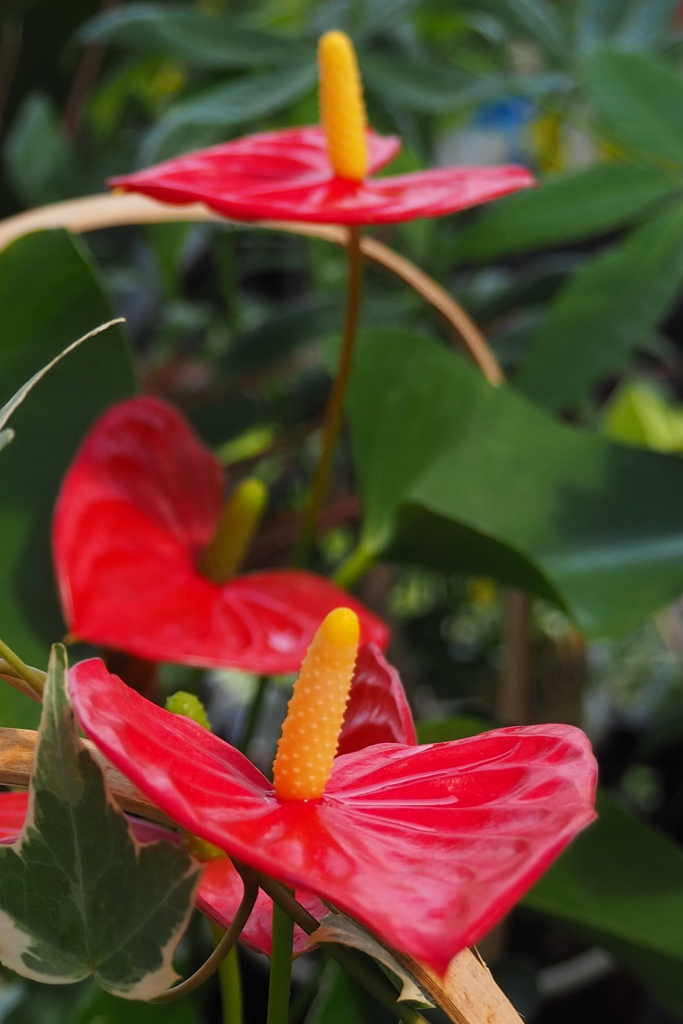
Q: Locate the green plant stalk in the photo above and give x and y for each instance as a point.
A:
(352, 962)
(34, 679)
(230, 982)
(355, 566)
(280, 967)
(335, 405)
(222, 949)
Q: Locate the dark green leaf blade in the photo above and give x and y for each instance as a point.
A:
(49, 295)
(78, 894)
(640, 100)
(189, 34)
(567, 207)
(620, 883)
(223, 106)
(606, 310)
(457, 474)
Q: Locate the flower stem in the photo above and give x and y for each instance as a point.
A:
(35, 679)
(280, 967)
(230, 982)
(335, 405)
(355, 566)
(383, 992)
(222, 949)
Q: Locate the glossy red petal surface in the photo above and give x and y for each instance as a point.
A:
(220, 894)
(378, 709)
(427, 846)
(244, 178)
(13, 807)
(287, 175)
(138, 504)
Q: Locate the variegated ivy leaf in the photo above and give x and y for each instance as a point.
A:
(79, 895)
(16, 399)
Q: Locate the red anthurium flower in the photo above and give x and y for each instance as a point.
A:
(287, 175)
(139, 504)
(321, 174)
(427, 846)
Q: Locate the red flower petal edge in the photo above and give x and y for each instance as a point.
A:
(378, 711)
(287, 175)
(139, 503)
(426, 846)
(220, 890)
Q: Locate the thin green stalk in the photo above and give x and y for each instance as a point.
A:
(253, 714)
(347, 958)
(30, 675)
(280, 967)
(355, 566)
(335, 405)
(222, 949)
(230, 982)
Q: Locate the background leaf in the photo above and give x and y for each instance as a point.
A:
(625, 24)
(49, 295)
(641, 101)
(122, 906)
(189, 34)
(591, 524)
(620, 884)
(606, 309)
(566, 207)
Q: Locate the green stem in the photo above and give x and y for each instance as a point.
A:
(35, 679)
(230, 982)
(280, 967)
(335, 405)
(352, 962)
(355, 566)
(222, 949)
(253, 714)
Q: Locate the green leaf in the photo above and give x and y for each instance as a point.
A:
(641, 101)
(221, 107)
(620, 883)
(579, 204)
(638, 414)
(78, 895)
(536, 18)
(188, 34)
(606, 310)
(16, 399)
(341, 1001)
(38, 158)
(454, 473)
(42, 311)
(422, 87)
(442, 730)
(623, 24)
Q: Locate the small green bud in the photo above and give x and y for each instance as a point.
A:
(183, 703)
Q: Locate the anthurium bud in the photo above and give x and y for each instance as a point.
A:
(342, 109)
(238, 522)
(189, 705)
(310, 734)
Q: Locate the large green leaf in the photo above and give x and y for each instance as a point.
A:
(78, 895)
(641, 101)
(455, 473)
(623, 24)
(221, 107)
(187, 33)
(621, 884)
(609, 307)
(49, 295)
(579, 204)
(98, 1007)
